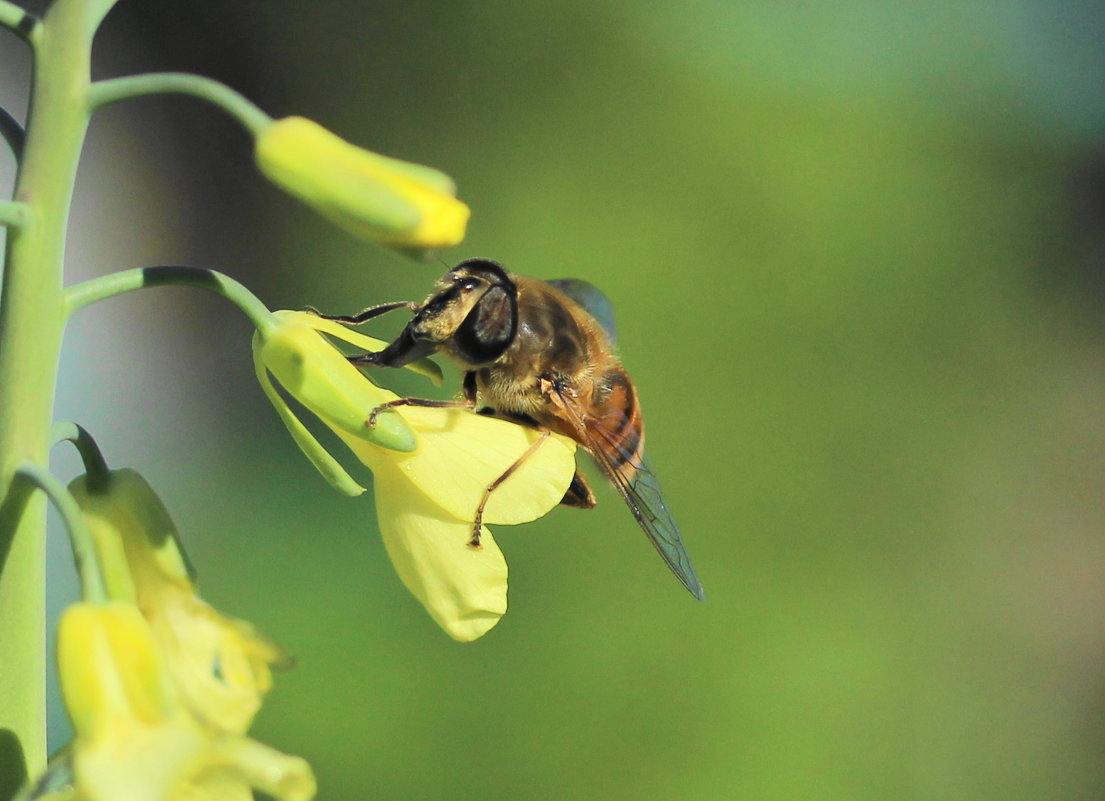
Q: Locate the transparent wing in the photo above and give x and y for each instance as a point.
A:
(593, 301)
(645, 498)
(635, 481)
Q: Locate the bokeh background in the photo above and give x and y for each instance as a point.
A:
(857, 253)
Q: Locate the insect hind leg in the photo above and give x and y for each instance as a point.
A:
(579, 494)
(477, 526)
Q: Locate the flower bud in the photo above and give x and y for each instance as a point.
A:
(396, 203)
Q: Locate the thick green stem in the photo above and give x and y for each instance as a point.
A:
(107, 286)
(156, 83)
(32, 315)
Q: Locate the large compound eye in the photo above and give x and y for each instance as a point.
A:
(490, 327)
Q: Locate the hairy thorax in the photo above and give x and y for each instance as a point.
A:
(552, 346)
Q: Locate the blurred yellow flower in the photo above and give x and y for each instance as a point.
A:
(428, 490)
(221, 666)
(373, 197)
(135, 737)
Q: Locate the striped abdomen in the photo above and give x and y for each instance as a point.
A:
(613, 421)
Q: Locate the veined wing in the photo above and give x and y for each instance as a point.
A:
(632, 476)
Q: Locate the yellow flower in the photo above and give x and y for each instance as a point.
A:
(135, 738)
(427, 490)
(373, 197)
(220, 665)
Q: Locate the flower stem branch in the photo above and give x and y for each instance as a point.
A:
(14, 215)
(18, 20)
(94, 465)
(80, 295)
(12, 132)
(97, 10)
(155, 83)
(84, 551)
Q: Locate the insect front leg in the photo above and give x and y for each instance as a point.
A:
(364, 315)
(521, 460)
(404, 350)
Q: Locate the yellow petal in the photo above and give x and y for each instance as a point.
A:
(287, 778)
(220, 665)
(133, 742)
(109, 668)
(463, 589)
(461, 453)
(215, 786)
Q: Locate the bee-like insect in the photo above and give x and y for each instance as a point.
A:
(533, 352)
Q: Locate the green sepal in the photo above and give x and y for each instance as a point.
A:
(336, 475)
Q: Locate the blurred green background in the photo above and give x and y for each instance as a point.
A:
(856, 251)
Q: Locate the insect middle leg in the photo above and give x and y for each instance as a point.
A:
(422, 403)
(469, 401)
(521, 460)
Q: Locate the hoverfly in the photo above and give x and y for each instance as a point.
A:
(534, 353)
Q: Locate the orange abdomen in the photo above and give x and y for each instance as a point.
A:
(614, 422)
